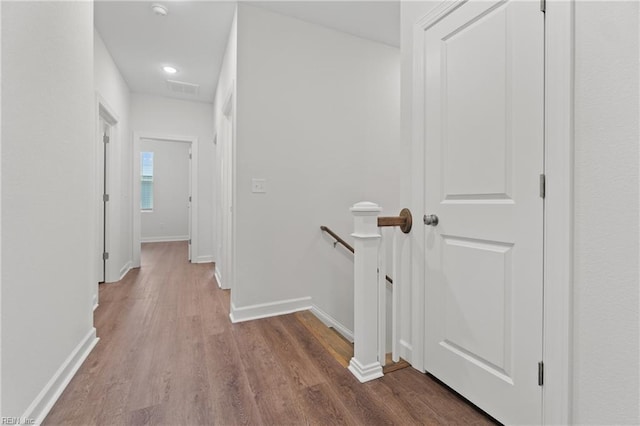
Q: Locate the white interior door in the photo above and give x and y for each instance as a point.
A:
(483, 127)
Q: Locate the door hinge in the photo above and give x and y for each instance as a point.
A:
(105, 139)
(105, 197)
(189, 198)
(543, 6)
(190, 156)
(189, 240)
(105, 256)
(540, 373)
(543, 185)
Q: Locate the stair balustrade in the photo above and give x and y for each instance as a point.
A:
(370, 304)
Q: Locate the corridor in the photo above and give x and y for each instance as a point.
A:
(168, 354)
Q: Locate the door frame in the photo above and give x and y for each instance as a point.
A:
(106, 112)
(558, 212)
(193, 178)
(226, 192)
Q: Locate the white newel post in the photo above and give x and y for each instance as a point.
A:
(365, 364)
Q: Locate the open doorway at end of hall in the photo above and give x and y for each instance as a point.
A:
(165, 180)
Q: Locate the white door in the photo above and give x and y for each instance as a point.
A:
(483, 128)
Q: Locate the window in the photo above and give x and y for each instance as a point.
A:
(146, 181)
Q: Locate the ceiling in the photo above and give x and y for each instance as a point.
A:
(193, 36)
(375, 20)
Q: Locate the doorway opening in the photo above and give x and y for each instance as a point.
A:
(483, 168)
(106, 131)
(165, 188)
(555, 354)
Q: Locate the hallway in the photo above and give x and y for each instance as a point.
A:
(168, 354)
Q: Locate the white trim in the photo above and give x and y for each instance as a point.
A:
(125, 269)
(330, 321)
(225, 189)
(438, 13)
(265, 310)
(204, 259)
(227, 105)
(558, 246)
(166, 239)
(45, 400)
(136, 240)
(406, 350)
(216, 274)
(365, 373)
(108, 114)
(417, 196)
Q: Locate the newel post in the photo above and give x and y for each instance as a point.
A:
(365, 364)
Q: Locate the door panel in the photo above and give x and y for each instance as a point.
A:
(481, 335)
(484, 85)
(473, 69)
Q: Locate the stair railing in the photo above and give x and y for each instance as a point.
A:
(369, 328)
(346, 245)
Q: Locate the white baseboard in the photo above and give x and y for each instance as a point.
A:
(406, 351)
(264, 310)
(43, 403)
(216, 273)
(123, 271)
(204, 259)
(330, 321)
(166, 239)
(365, 373)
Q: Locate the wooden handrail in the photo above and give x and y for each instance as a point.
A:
(345, 244)
(337, 238)
(404, 221)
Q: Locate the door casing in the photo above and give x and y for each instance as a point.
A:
(103, 168)
(193, 184)
(226, 196)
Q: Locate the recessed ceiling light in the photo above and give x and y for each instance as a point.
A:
(169, 70)
(160, 9)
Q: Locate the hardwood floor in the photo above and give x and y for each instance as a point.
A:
(168, 354)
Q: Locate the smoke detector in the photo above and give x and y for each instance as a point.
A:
(160, 9)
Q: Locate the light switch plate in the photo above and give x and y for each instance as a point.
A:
(258, 186)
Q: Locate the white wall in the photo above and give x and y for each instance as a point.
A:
(605, 345)
(47, 188)
(169, 219)
(113, 89)
(173, 117)
(318, 118)
(606, 258)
